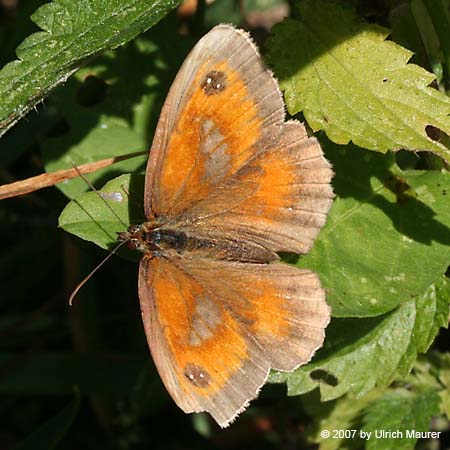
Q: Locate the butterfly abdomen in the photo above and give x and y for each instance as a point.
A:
(162, 240)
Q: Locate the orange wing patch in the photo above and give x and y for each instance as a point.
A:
(209, 141)
(223, 107)
(294, 186)
(203, 352)
(279, 199)
(281, 306)
(205, 340)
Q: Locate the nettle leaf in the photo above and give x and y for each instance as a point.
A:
(434, 307)
(387, 236)
(360, 354)
(353, 84)
(406, 412)
(73, 32)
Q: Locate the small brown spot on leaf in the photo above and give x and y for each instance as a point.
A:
(214, 82)
(198, 376)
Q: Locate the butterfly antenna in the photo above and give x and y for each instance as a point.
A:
(99, 194)
(100, 264)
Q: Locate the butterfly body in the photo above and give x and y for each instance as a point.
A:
(229, 184)
(154, 240)
(151, 239)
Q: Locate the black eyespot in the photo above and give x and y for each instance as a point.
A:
(196, 375)
(214, 82)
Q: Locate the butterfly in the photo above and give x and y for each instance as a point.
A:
(229, 184)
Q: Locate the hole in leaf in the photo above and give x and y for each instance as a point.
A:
(324, 376)
(434, 133)
(91, 92)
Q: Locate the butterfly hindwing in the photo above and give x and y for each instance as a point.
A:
(216, 327)
(201, 350)
(279, 199)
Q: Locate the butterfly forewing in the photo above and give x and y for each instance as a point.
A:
(220, 110)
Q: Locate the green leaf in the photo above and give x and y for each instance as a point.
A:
(434, 307)
(49, 434)
(402, 411)
(440, 368)
(113, 137)
(387, 236)
(99, 216)
(73, 32)
(13, 32)
(360, 354)
(353, 84)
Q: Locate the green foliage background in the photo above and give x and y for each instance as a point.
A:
(370, 78)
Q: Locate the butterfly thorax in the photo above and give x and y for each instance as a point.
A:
(157, 240)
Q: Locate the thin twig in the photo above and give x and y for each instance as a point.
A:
(50, 179)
